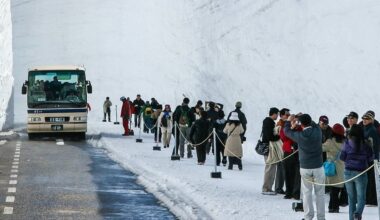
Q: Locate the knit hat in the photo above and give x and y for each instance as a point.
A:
(338, 129)
(324, 119)
(199, 103)
(122, 98)
(273, 110)
(353, 114)
(368, 115)
(371, 112)
(238, 104)
(234, 116)
(305, 119)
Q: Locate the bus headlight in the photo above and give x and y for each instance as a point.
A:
(35, 119)
(80, 118)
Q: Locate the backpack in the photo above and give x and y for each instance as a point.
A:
(148, 111)
(184, 117)
(164, 120)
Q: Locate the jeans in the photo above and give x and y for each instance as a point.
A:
(356, 190)
(313, 175)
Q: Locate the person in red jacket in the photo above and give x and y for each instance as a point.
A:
(125, 114)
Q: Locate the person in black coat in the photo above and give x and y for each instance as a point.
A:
(138, 103)
(221, 141)
(242, 118)
(198, 134)
(267, 136)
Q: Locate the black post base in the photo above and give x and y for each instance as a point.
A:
(116, 123)
(175, 157)
(297, 206)
(216, 174)
(139, 140)
(156, 148)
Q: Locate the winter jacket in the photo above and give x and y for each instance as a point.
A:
(268, 128)
(233, 147)
(138, 104)
(309, 145)
(219, 127)
(178, 112)
(356, 160)
(326, 134)
(169, 117)
(212, 115)
(106, 106)
(333, 149)
(200, 130)
(370, 133)
(125, 112)
(242, 119)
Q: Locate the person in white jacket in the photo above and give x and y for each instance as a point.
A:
(165, 122)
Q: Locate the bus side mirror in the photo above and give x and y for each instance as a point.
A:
(89, 87)
(24, 87)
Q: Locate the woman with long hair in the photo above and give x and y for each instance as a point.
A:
(357, 156)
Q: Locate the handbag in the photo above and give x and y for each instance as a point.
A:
(329, 166)
(261, 147)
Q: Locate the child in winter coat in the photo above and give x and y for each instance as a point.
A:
(233, 148)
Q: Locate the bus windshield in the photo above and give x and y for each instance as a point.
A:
(60, 87)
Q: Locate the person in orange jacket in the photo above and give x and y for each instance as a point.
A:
(125, 114)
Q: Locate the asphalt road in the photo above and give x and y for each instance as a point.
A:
(50, 179)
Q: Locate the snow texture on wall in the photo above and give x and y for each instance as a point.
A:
(6, 59)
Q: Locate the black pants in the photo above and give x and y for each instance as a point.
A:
(201, 152)
(371, 196)
(334, 197)
(176, 135)
(292, 176)
(234, 160)
(137, 120)
(280, 177)
(220, 151)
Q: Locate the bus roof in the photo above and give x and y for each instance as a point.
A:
(57, 67)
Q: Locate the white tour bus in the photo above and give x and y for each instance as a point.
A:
(57, 100)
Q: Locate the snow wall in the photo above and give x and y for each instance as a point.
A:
(6, 60)
(319, 57)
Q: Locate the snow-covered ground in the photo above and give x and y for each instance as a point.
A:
(6, 59)
(189, 191)
(320, 57)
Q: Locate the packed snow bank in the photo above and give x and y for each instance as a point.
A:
(6, 59)
(189, 191)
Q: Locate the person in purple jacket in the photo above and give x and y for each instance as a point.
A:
(357, 156)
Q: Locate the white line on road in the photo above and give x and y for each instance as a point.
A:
(12, 182)
(16, 159)
(11, 189)
(60, 142)
(15, 167)
(10, 199)
(13, 176)
(8, 210)
(17, 155)
(14, 171)
(15, 163)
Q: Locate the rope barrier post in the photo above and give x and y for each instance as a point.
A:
(377, 181)
(116, 122)
(139, 140)
(157, 147)
(215, 174)
(175, 156)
